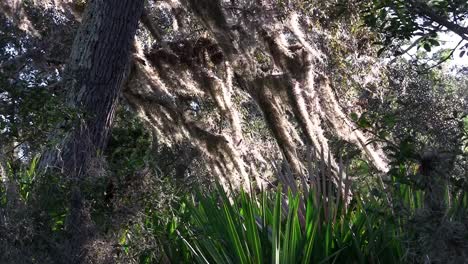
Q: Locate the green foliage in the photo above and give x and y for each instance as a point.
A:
(29, 114)
(154, 236)
(401, 20)
(26, 178)
(129, 148)
(465, 135)
(52, 195)
(269, 228)
(44, 195)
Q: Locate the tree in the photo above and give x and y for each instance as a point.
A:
(207, 77)
(97, 69)
(237, 90)
(219, 70)
(423, 20)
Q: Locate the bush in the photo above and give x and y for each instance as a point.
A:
(271, 227)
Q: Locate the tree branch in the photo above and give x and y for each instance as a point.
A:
(424, 10)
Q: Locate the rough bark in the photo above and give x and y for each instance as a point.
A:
(98, 67)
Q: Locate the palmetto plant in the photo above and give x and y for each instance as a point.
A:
(307, 219)
(314, 218)
(266, 228)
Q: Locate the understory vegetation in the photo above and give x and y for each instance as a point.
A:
(161, 220)
(158, 219)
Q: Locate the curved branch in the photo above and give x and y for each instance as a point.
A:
(423, 9)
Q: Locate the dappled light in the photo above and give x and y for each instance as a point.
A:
(233, 131)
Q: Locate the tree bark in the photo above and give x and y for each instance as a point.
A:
(98, 67)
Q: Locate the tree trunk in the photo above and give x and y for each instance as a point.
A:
(98, 67)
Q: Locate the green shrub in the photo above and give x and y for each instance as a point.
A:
(272, 227)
